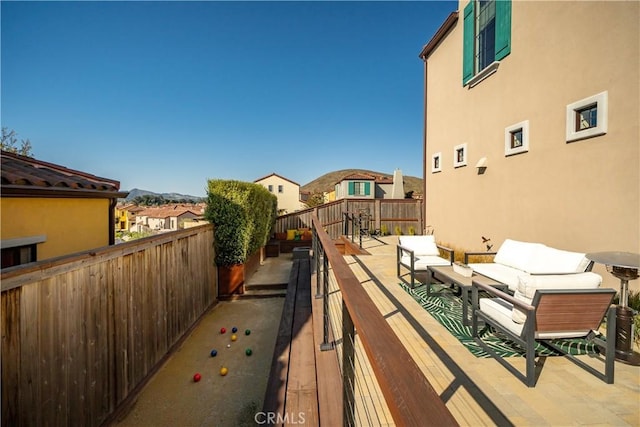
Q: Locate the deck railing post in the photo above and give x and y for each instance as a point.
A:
(348, 367)
(318, 253)
(326, 345)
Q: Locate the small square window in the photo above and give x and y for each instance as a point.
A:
(460, 155)
(436, 163)
(588, 117)
(516, 138)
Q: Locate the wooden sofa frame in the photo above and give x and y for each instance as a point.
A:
(554, 311)
(411, 266)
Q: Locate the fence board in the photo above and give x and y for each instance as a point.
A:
(80, 333)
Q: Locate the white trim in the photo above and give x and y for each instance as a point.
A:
(22, 241)
(483, 74)
(524, 127)
(602, 101)
(437, 155)
(463, 162)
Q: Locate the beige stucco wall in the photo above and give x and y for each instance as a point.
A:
(289, 199)
(582, 196)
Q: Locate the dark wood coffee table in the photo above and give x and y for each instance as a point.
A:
(446, 275)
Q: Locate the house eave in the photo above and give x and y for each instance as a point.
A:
(56, 192)
(442, 32)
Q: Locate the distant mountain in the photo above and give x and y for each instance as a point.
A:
(136, 192)
(328, 181)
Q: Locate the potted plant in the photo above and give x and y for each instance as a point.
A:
(243, 215)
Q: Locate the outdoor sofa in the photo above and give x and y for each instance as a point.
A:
(515, 259)
(416, 253)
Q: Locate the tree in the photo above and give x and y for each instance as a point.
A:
(316, 199)
(10, 143)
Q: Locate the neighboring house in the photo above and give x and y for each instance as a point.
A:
(367, 186)
(125, 216)
(49, 210)
(532, 125)
(287, 192)
(164, 218)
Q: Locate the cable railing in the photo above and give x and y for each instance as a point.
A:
(381, 383)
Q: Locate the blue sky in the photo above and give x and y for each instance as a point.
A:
(165, 95)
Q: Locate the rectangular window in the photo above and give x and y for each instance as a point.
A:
(486, 38)
(280, 189)
(358, 188)
(18, 255)
(588, 117)
(460, 155)
(436, 163)
(485, 44)
(516, 138)
(270, 188)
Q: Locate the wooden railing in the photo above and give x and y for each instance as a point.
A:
(358, 324)
(82, 333)
(393, 215)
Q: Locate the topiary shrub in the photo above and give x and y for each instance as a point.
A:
(243, 215)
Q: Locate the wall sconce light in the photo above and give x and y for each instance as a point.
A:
(482, 165)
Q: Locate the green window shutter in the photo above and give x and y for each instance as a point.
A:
(468, 43)
(503, 28)
(367, 188)
(352, 188)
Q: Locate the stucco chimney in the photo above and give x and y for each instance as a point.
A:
(397, 191)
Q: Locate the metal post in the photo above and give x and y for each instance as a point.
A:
(348, 367)
(326, 345)
(318, 253)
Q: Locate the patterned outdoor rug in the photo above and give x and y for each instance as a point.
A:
(446, 308)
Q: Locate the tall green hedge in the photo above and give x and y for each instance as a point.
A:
(243, 215)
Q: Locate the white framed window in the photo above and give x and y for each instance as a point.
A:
(280, 189)
(270, 187)
(460, 155)
(516, 138)
(436, 162)
(588, 117)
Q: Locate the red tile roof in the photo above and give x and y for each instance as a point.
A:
(23, 176)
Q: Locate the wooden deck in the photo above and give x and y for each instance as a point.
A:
(477, 391)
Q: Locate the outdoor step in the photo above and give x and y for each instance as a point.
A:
(265, 286)
(263, 293)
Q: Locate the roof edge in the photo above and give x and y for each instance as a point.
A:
(442, 32)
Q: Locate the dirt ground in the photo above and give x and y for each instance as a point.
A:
(172, 398)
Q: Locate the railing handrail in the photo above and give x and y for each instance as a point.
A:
(411, 399)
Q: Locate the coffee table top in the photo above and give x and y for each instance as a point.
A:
(458, 279)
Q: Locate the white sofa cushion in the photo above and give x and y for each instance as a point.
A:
(528, 285)
(500, 273)
(547, 260)
(513, 253)
(422, 262)
(420, 245)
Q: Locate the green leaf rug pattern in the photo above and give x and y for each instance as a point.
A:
(447, 310)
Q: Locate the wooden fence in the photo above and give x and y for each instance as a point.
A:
(80, 333)
(394, 215)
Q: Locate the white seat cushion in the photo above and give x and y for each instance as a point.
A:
(423, 262)
(500, 273)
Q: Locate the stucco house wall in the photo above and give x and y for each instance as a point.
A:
(286, 191)
(582, 195)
